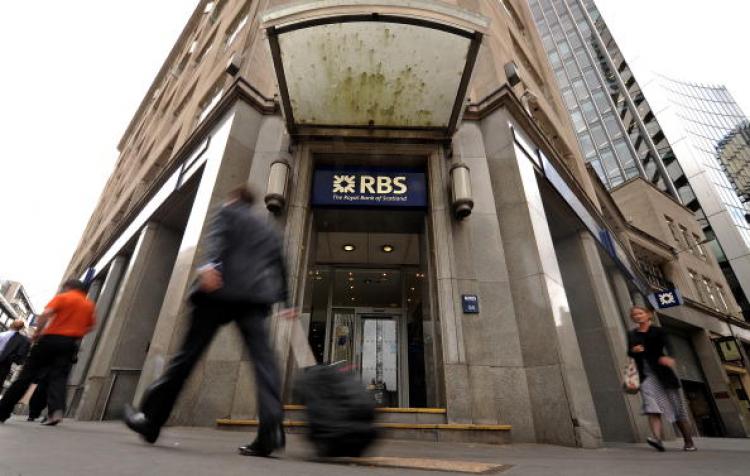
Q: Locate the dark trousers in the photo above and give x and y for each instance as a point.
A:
(161, 396)
(52, 355)
(38, 400)
(4, 371)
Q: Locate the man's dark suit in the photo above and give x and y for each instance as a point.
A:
(15, 352)
(248, 252)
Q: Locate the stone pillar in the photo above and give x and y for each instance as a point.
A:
(209, 393)
(731, 414)
(124, 341)
(484, 376)
(80, 373)
(561, 400)
(601, 334)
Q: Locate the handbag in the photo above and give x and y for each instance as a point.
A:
(631, 381)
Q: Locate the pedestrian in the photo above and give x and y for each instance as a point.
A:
(38, 400)
(13, 348)
(242, 275)
(66, 319)
(660, 386)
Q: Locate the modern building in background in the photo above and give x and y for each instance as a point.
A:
(733, 152)
(15, 304)
(622, 137)
(443, 233)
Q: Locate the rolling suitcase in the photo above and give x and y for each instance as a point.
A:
(340, 411)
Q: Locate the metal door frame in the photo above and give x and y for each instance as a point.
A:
(398, 313)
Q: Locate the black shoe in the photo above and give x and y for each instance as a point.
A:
(264, 446)
(138, 422)
(31, 418)
(654, 443)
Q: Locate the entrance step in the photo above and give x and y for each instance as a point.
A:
(385, 415)
(427, 424)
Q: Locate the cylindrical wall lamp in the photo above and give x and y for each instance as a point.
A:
(277, 185)
(462, 201)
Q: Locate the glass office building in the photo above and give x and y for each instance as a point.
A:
(621, 137)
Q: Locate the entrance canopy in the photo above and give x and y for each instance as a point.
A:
(391, 64)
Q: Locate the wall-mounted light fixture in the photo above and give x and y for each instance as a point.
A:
(461, 198)
(277, 185)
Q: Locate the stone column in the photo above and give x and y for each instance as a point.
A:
(485, 379)
(81, 372)
(209, 393)
(601, 333)
(731, 414)
(125, 338)
(561, 400)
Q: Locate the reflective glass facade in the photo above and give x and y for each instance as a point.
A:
(614, 122)
(715, 124)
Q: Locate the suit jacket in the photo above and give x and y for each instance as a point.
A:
(15, 350)
(248, 253)
(654, 343)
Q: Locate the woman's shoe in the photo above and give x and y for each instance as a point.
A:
(690, 447)
(654, 443)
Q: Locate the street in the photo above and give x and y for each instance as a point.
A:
(84, 448)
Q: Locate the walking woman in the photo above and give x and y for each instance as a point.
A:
(660, 387)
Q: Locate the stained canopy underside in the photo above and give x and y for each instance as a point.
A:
(363, 68)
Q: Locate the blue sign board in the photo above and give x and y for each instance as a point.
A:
(369, 187)
(470, 303)
(666, 299)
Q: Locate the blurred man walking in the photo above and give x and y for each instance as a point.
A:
(67, 318)
(242, 275)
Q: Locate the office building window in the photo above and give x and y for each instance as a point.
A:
(673, 229)
(708, 286)
(699, 246)
(236, 27)
(689, 246)
(699, 287)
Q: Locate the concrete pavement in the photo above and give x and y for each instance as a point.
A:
(84, 448)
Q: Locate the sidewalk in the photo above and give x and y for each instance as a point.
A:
(84, 448)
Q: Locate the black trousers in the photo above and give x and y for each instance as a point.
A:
(38, 400)
(4, 371)
(206, 319)
(53, 355)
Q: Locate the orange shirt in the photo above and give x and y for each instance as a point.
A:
(74, 315)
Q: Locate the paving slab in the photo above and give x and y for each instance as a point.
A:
(86, 448)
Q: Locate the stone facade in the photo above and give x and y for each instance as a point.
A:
(544, 351)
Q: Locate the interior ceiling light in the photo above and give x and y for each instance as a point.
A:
(349, 247)
(387, 248)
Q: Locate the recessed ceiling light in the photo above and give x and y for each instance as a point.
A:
(349, 247)
(387, 248)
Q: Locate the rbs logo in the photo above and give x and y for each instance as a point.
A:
(367, 184)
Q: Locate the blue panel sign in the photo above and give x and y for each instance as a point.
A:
(666, 299)
(470, 303)
(369, 187)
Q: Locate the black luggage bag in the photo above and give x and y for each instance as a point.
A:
(340, 412)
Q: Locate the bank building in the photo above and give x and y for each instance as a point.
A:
(443, 234)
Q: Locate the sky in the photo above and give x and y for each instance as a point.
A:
(73, 74)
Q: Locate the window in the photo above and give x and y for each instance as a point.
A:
(209, 101)
(720, 293)
(236, 27)
(653, 272)
(710, 293)
(673, 230)
(698, 283)
(688, 241)
(699, 246)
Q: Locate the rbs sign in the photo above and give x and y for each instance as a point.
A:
(369, 187)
